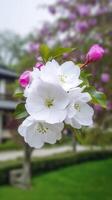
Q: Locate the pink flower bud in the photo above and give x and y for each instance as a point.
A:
(95, 53)
(25, 78)
(39, 65)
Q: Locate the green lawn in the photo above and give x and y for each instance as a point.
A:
(89, 181)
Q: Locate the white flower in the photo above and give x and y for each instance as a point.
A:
(66, 75)
(35, 78)
(36, 133)
(79, 112)
(47, 102)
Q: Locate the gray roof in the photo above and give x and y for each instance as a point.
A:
(7, 73)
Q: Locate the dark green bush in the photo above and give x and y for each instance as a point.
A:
(55, 162)
(10, 145)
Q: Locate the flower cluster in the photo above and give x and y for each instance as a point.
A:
(54, 97)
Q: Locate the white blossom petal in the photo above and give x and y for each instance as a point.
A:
(73, 123)
(70, 69)
(84, 116)
(26, 123)
(85, 97)
(47, 102)
(49, 72)
(37, 132)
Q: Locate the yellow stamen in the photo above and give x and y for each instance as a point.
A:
(49, 102)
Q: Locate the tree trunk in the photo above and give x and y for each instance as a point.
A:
(22, 177)
(27, 166)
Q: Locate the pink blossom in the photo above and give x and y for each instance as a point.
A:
(65, 55)
(39, 65)
(105, 77)
(98, 108)
(52, 10)
(95, 53)
(33, 47)
(84, 10)
(109, 106)
(25, 78)
(72, 16)
(101, 89)
(63, 26)
(102, 10)
(92, 22)
(81, 26)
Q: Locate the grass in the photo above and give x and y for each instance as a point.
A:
(89, 181)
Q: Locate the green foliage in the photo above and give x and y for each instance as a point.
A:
(18, 95)
(20, 111)
(45, 52)
(11, 48)
(10, 145)
(59, 51)
(48, 54)
(85, 78)
(95, 136)
(99, 98)
(42, 165)
(26, 62)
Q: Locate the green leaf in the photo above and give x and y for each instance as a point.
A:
(48, 54)
(59, 51)
(98, 98)
(45, 52)
(84, 77)
(18, 95)
(20, 111)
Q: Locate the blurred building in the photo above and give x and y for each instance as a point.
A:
(7, 103)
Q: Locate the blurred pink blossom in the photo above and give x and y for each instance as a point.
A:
(101, 89)
(109, 105)
(97, 107)
(81, 26)
(72, 16)
(105, 77)
(83, 9)
(92, 22)
(33, 47)
(63, 26)
(52, 10)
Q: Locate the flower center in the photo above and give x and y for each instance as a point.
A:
(49, 102)
(41, 129)
(63, 78)
(77, 106)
